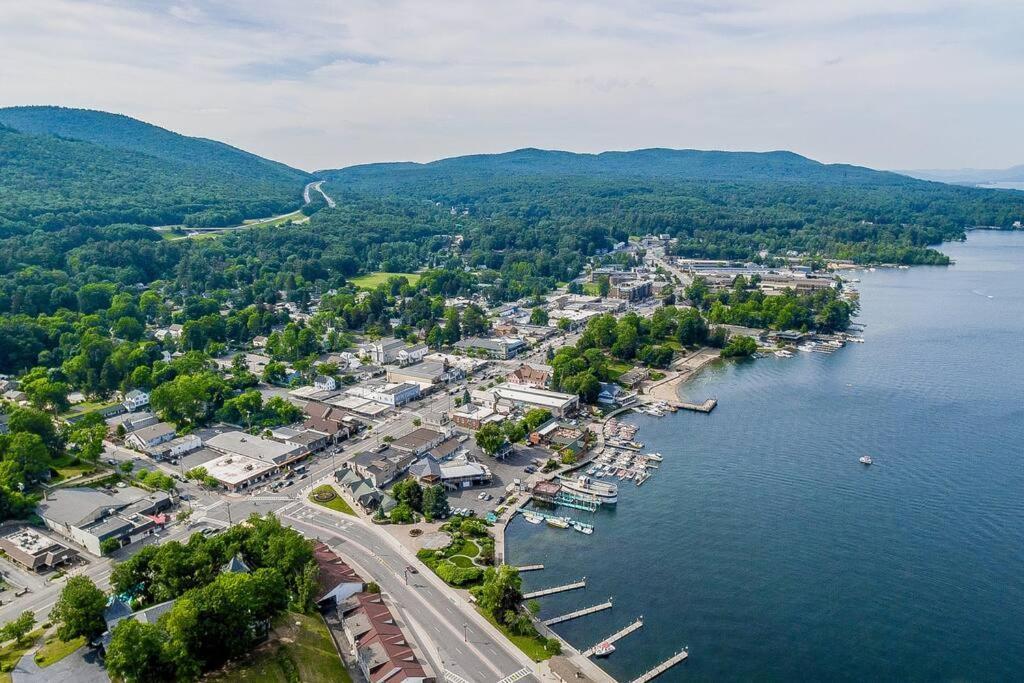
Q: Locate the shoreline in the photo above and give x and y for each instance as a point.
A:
(684, 370)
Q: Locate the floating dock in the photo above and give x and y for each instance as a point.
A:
(589, 652)
(530, 568)
(582, 583)
(579, 613)
(576, 501)
(663, 667)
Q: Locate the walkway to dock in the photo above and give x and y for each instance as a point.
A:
(663, 667)
(582, 583)
(589, 652)
(579, 613)
(529, 568)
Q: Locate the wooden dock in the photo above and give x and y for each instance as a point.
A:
(579, 613)
(615, 636)
(530, 568)
(663, 667)
(582, 583)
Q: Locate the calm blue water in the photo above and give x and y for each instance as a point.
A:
(764, 545)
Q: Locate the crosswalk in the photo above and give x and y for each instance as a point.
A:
(511, 678)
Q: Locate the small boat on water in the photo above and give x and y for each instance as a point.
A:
(604, 649)
(532, 518)
(866, 460)
(783, 353)
(656, 457)
(558, 522)
(583, 528)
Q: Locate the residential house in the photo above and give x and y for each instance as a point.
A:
(134, 400)
(325, 383)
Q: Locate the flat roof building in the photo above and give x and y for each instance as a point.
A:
(35, 550)
(267, 450)
(238, 472)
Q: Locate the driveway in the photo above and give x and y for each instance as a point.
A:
(81, 666)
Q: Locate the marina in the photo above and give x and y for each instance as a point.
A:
(575, 585)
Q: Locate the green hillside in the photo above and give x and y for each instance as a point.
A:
(65, 167)
(719, 204)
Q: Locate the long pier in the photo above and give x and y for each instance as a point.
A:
(622, 633)
(663, 667)
(529, 568)
(582, 583)
(579, 613)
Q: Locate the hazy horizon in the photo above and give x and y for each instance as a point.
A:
(910, 84)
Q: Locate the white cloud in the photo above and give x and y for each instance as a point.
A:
(887, 83)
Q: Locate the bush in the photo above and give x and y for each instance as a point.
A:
(458, 576)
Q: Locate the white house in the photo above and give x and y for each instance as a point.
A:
(134, 400)
(325, 383)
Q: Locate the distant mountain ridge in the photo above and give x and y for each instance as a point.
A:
(64, 167)
(971, 176)
(653, 163)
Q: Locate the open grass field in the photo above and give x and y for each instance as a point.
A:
(300, 649)
(371, 280)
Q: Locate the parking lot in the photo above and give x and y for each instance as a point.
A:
(504, 472)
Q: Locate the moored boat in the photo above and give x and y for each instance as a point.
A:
(558, 522)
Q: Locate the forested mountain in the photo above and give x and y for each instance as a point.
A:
(719, 204)
(66, 167)
(666, 164)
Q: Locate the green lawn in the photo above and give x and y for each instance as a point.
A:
(338, 504)
(616, 368)
(591, 289)
(55, 649)
(373, 279)
(530, 645)
(300, 653)
(461, 561)
(12, 653)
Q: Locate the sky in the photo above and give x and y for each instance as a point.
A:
(897, 84)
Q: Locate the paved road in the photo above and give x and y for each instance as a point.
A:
(318, 186)
(457, 638)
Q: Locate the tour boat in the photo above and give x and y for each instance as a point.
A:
(866, 460)
(604, 649)
(559, 522)
(603, 492)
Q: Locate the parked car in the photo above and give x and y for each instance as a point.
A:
(530, 469)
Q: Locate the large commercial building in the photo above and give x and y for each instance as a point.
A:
(501, 348)
(269, 451)
(387, 393)
(90, 517)
(510, 396)
(35, 550)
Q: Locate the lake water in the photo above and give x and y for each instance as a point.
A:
(763, 545)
